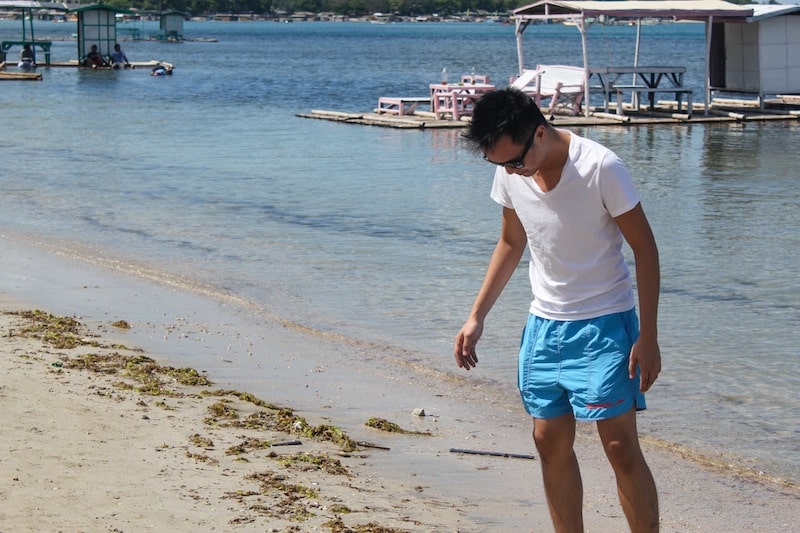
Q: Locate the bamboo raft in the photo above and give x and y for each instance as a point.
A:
(7, 75)
(784, 107)
(37, 76)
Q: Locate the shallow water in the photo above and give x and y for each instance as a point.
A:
(383, 235)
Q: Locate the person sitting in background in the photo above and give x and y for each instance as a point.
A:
(26, 59)
(118, 58)
(94, 58)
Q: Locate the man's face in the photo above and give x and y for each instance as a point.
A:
(514, 157)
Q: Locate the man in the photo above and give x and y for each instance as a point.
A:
(572, 201)
(118, 58)
(26, 58)
(94, 58)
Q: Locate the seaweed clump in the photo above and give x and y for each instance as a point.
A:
(274, 418)
(391, 427)
(61, 332)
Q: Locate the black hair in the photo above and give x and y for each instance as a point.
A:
(505, 111)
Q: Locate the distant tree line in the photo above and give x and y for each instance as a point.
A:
(351, 8)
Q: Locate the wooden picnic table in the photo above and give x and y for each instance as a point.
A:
(5, 46)
(641, 79)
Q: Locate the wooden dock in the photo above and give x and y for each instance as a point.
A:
(721, 110)
(18, 75)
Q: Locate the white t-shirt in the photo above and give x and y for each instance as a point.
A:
(577, 270)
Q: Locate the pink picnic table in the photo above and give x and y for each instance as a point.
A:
(457, 99)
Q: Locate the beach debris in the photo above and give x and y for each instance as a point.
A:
(306, 462)
(276, 418)
(276, 495)
(201, 442)
(121, 324)
(494, 454)
(58, 332)
(419, 411)
(288, 443)
(365, 444)
(337, 525)
(391, 427)
(287, 497)
(247, 446)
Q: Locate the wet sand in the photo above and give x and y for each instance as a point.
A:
(82, 452)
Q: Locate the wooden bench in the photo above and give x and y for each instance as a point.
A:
(395, 105)
(651, 93)
(556, 82)
(5, 46)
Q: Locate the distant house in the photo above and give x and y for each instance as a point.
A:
(303, 16)
(170, 25)
(760, 56)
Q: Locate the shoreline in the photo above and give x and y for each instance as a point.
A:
(328, 380)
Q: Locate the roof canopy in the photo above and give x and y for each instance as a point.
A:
(583, 12)
(761, 12)
(31, 4)
(673, 9)
(98, 7)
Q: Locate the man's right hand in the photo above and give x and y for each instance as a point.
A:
(466, 341)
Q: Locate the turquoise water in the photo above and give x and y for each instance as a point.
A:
(383, 235)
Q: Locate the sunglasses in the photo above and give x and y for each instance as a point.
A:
(519, 162)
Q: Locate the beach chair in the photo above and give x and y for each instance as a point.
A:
(556, 82)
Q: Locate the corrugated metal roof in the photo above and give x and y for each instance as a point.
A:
(676, 9)
(31, 4)
(763, 11)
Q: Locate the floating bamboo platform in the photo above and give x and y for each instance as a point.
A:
(37, 76)
(784, 108)
(31, 76)
(134, 64)
(20, 75)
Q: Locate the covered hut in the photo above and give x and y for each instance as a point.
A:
(761, 56)
(26, 9)
(581, 12)
(170, 26)
(97, 25)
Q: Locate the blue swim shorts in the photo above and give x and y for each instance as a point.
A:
(579, 366)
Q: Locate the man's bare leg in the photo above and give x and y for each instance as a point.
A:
(554, 440)
(635, 485)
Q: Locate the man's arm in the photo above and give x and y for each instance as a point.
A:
(505, 258)
(645, 352)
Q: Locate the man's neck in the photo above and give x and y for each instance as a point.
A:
(549, 174)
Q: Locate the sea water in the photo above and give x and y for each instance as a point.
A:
(383, 234)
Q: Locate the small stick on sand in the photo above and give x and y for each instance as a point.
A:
(495, 454)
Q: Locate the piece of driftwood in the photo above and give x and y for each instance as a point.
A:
(494, 454)
(366, 444)
(287, 443)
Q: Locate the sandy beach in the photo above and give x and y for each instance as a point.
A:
(116, 433)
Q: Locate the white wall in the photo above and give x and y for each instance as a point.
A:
(741, 57)
(763, 57)
(780, 55)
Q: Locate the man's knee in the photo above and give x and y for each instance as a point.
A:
(623, 454)
(621, 441)
(554, 438)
